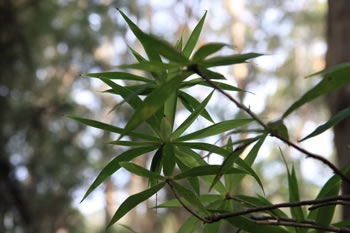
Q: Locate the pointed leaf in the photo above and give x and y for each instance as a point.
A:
(207, 170)
(111, 128)
(192, 103)
(133, 201)
(332, 122)
(134, 143)
(210, 74)
(140, 171)
(153, 102)
(156, 165)
(297, 212)
(127, 227)
(207, 50)
(215, 129)
(117, 75)
(138, 56)
(113, 166)
(190, 226)
(250, 226)
(335, 77)
(151, 66)
(200, 81)
(193, 116)
(229, 60)
(192, 41)
(193, 181)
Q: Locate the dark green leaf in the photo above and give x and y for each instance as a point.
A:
(156, 165)
(278, 128)
(215, 129)
(133, 201)
(207, 170)
(297, 212)
(140, 171)
(193, 181)
(200, 81)
(138, 56)
(111, 128)
(204, 198)
(240, 162)
(168, 159)
(117, 75)
(250, 226)
(229, 60)
(113, 166)
(192, 41)
(134, 143)
(189, 196)
(210, 74)
(332, 122)
(193, 116)
(212, 227)
(192, 103)
(207, 50)
(151, 66)
(335, 77)
(190, 226)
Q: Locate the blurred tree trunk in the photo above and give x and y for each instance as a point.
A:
(338, 38)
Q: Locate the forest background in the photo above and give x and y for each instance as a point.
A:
(48, 161)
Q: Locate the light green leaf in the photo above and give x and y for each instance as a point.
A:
(335, 77)
(179, 44)
(332, 122)
(111, 128)
(192, 103)
(168, 159)
(140, 171)
(192, 41)
(133, 201)
(142, 37)
(207, 170)
(117, 75)
(215, 129)
(153, 102)
(229, 60)
(165, 129)
(193, 116)
(207, 50)
(151, 66)
(113, 166)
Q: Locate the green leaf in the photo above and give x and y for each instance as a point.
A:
(193, 116)
(204, 198)
(192, 103)
(189, 196)
(207, 50)
(297, 212)
(279, 128)
(168, 159)
(142, 37)
(113, 166)
(192, 41)
(156, 165)
(212, 227)
(335, 77)
(210, 74)
(117, 75)
(333, 121)
(134, 143)
(138, 56)
(200, 81)
(179, 44)
(240, 162)
(229, 60)
(193, 181)
(249, 160)
(127, 228)
(153, 102)
(111, 128)
(207, 170)
(190, 226)
(215, 129)
(133, 201)
(140, 171)
(165, 129)
(151, 66)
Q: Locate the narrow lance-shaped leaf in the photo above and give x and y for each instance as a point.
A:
(156, 164)
(207, 170)
(151, 66)
(134, 143)
(141, 36)
(117, 75)
(332, 122)
(193, 181)
(191, 104)
(153, 102)
(168, 159)
(335, 77)
(133, 201)
(200, 81)
(140, 171)
(207, 50)
(192, 41)
(191, 118)
(111, 128)
(210, 74)
(297, 212)
(215, 129)
(229, 60)
(113, 166)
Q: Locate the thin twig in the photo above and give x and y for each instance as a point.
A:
(182, 203)
(218, 216)
(304, 225)
(330, 203)
(195, 69)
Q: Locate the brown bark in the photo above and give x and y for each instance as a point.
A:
(338, 36)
